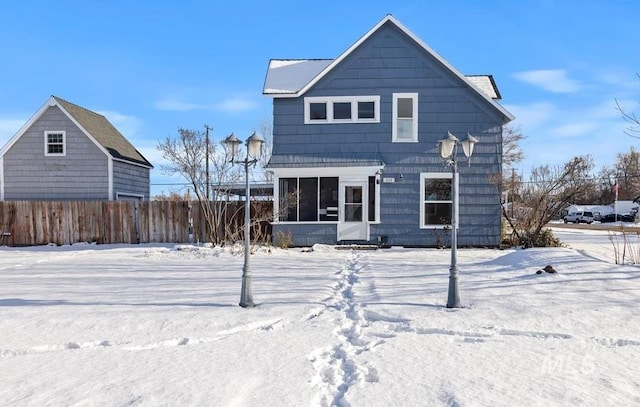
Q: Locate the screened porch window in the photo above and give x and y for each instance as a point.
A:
(310, 199)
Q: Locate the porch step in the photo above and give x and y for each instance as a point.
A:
(357, 247)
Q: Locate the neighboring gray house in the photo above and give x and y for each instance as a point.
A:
(355, 155)
(66, 152)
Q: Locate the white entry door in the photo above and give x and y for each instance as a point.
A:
(352, 220)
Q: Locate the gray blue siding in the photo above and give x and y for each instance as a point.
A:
(130, 179)
(390, 62)
(82, 174)
(304, 234)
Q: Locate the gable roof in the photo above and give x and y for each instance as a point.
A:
(95, 126)
(289, 76)
(292, 78)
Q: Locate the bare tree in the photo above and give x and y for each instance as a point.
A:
(187, 156)
(510, 181)
(266, 129)
(633, 130)
(605, 181)
(628, 174)
(548, 191)
(511, 151)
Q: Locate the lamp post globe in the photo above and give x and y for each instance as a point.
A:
(448, 151)
(447, 145)
(254, 150)
(231, 146)
(254, 146)
(467, 145)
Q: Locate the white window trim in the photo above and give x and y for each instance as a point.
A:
(330, 100)
(394, 121)
(431, 175)
(344, 174)
(46, 144)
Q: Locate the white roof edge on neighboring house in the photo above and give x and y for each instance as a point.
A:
(26, 126)
(390, 18)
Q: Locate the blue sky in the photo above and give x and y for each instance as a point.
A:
(154, 66)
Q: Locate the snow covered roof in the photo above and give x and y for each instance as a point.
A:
(288, 76)
(486, 84)
(293, 77)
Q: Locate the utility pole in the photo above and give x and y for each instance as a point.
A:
(513, 187)
(206, 159)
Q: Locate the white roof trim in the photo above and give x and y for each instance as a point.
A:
(49, 103)
(390, 18)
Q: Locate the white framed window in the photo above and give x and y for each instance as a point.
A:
(436, 200)
(304, 196)
(308, 199)
(405, 117)
(55, 143)
(342, 109)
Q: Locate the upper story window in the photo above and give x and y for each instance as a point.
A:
(405, 117)
(342, 109)
(435, 200)
(55, 143)
(317, 111)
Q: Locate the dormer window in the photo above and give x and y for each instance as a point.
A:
(342, 109)
(55, 143)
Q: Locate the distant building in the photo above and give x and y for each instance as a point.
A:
(66, 152)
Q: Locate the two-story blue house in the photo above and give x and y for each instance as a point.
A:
(355, 155)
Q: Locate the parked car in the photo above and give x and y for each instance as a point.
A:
(579, 217)
(612, 217)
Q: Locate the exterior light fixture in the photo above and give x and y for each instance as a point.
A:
(254, 151)
(448, 150)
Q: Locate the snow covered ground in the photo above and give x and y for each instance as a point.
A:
(149, 325)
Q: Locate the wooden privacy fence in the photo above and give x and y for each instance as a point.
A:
(30, 223)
